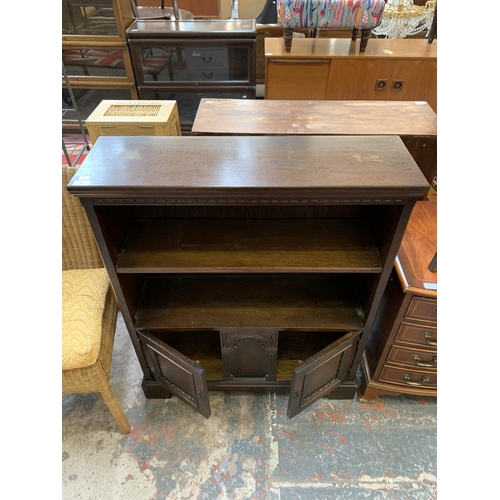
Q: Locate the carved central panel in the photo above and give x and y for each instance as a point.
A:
(249, 355)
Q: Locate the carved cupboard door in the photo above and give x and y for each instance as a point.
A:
(179, 374)
(321, 373)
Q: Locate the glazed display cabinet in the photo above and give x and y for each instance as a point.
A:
(95, 54)
(188, 60)
(249, 263)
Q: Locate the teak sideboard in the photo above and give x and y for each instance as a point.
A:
(249, 263)
(333, 68)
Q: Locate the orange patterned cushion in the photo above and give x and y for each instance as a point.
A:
(83, 297)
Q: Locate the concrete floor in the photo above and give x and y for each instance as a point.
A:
(247, 449)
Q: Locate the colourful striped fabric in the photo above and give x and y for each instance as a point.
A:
(330, 14)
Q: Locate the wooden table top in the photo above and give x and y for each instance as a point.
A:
(356, 167)
(385, 48)
(417, 250)
(160, 29)
(276, 117)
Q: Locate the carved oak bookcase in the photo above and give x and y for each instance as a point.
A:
(249, 263)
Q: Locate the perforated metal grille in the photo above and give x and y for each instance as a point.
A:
(133, 110)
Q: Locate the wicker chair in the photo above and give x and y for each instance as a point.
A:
(90, 308)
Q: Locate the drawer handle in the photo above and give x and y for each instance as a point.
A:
(107, 126)
(427, 337)
(407, 380)
(209, 59)
(397, 85)
(208, 76)
(432, 364)
(146, 126)
(300, 61)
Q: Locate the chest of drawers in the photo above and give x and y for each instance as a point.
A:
(401, 354)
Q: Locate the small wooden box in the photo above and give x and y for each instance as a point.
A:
(133, 118)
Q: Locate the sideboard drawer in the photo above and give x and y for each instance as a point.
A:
(409, 378)
(413, 358)
(422, 309)
(419, 335)
(301, 79)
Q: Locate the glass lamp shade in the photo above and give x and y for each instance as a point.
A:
(401, 18)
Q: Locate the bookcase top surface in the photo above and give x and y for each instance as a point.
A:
(354, 166)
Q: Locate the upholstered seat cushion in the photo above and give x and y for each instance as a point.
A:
(331, 14)
(83, 298)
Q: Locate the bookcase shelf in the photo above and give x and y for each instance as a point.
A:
(298, 302)
(218, 245)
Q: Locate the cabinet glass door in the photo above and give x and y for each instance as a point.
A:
(168, 63)
(88, 17)
(94, 62)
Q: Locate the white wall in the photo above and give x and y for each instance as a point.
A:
(247, 9)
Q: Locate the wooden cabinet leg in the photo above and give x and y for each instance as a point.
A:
(368, 396)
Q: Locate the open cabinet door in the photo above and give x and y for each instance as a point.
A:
(179, 374)
(321, 373)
